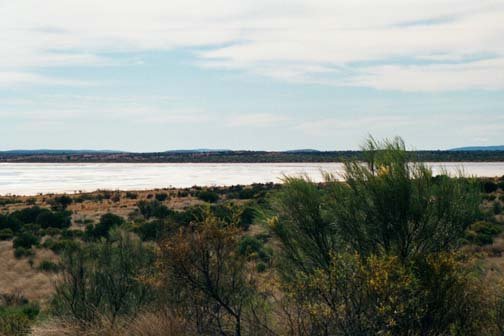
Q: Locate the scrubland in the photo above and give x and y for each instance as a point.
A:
(391, 250)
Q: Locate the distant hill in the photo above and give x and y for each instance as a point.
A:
(197, 150)
(478, 148)
(230, 156)
(308, 150)
(57, 151)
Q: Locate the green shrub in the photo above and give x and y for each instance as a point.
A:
(32, 228)
(49, 266)
(30, 310)
(25, 240)
(497, 208)
(6, 234)
(52, 231)
(47, 219)
(261, 267)
(491, 197)
(153, 208)
(107, 222)
(482, 232)
(252, 248)
(246, 193)
(208, 196)
(131, 195)
(28, 215)
(161, 197)
(104, 278)
(489, 187)
(14, 325)
(247, 217)
(31, 201)
(60, 203)
(182, 193)
(58, 246)
(116, 197)
(10, 222)
(20, 252)
(151, 230)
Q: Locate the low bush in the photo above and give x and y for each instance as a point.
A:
(107, 222)
(482, 232)
(6, 234)
(20, 252)
(47, 219)
(25, 240)
(12, 324)
(131, 195)
(161, 197)
(489, 187)
(253, 248)
(48, 266)
(58, 246)
(261, 267)
(208, 196)
(153, 208)
(497, 208)
(60, 203)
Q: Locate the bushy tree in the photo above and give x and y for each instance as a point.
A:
(208, 280)
(105, 278)
(107, 222)
(373, 254)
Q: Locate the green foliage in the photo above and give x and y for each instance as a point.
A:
(6, 234)
(104, 278)
(387, 205)
(497, 208)
(501, 185)
(10, 222)
(372, 255)
(253, 248)
(307, 235)
(161, 197)
(102, 229)
(60, 245)
(16, 314)
(48, 219)
(482, 232)
(208, 196)
(153, 230)
(60, 203)
(12, 324)
(131, 195)
(261, 267)
(20, 252)
(154, 208)
(208, 281)
(25, 240)
(489, 186)
(27, 215)
(48, 266)
(379, 295)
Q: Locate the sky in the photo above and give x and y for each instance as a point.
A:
(156, 75)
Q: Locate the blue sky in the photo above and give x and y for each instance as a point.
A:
(270, 75)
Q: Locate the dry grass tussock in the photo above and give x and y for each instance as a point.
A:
(145, 324)
(19, 274)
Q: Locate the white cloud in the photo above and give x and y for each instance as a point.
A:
(487, 74)
(156, 110)
(299, 41)
(13, 78)
(327, 126)
(256, 120)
